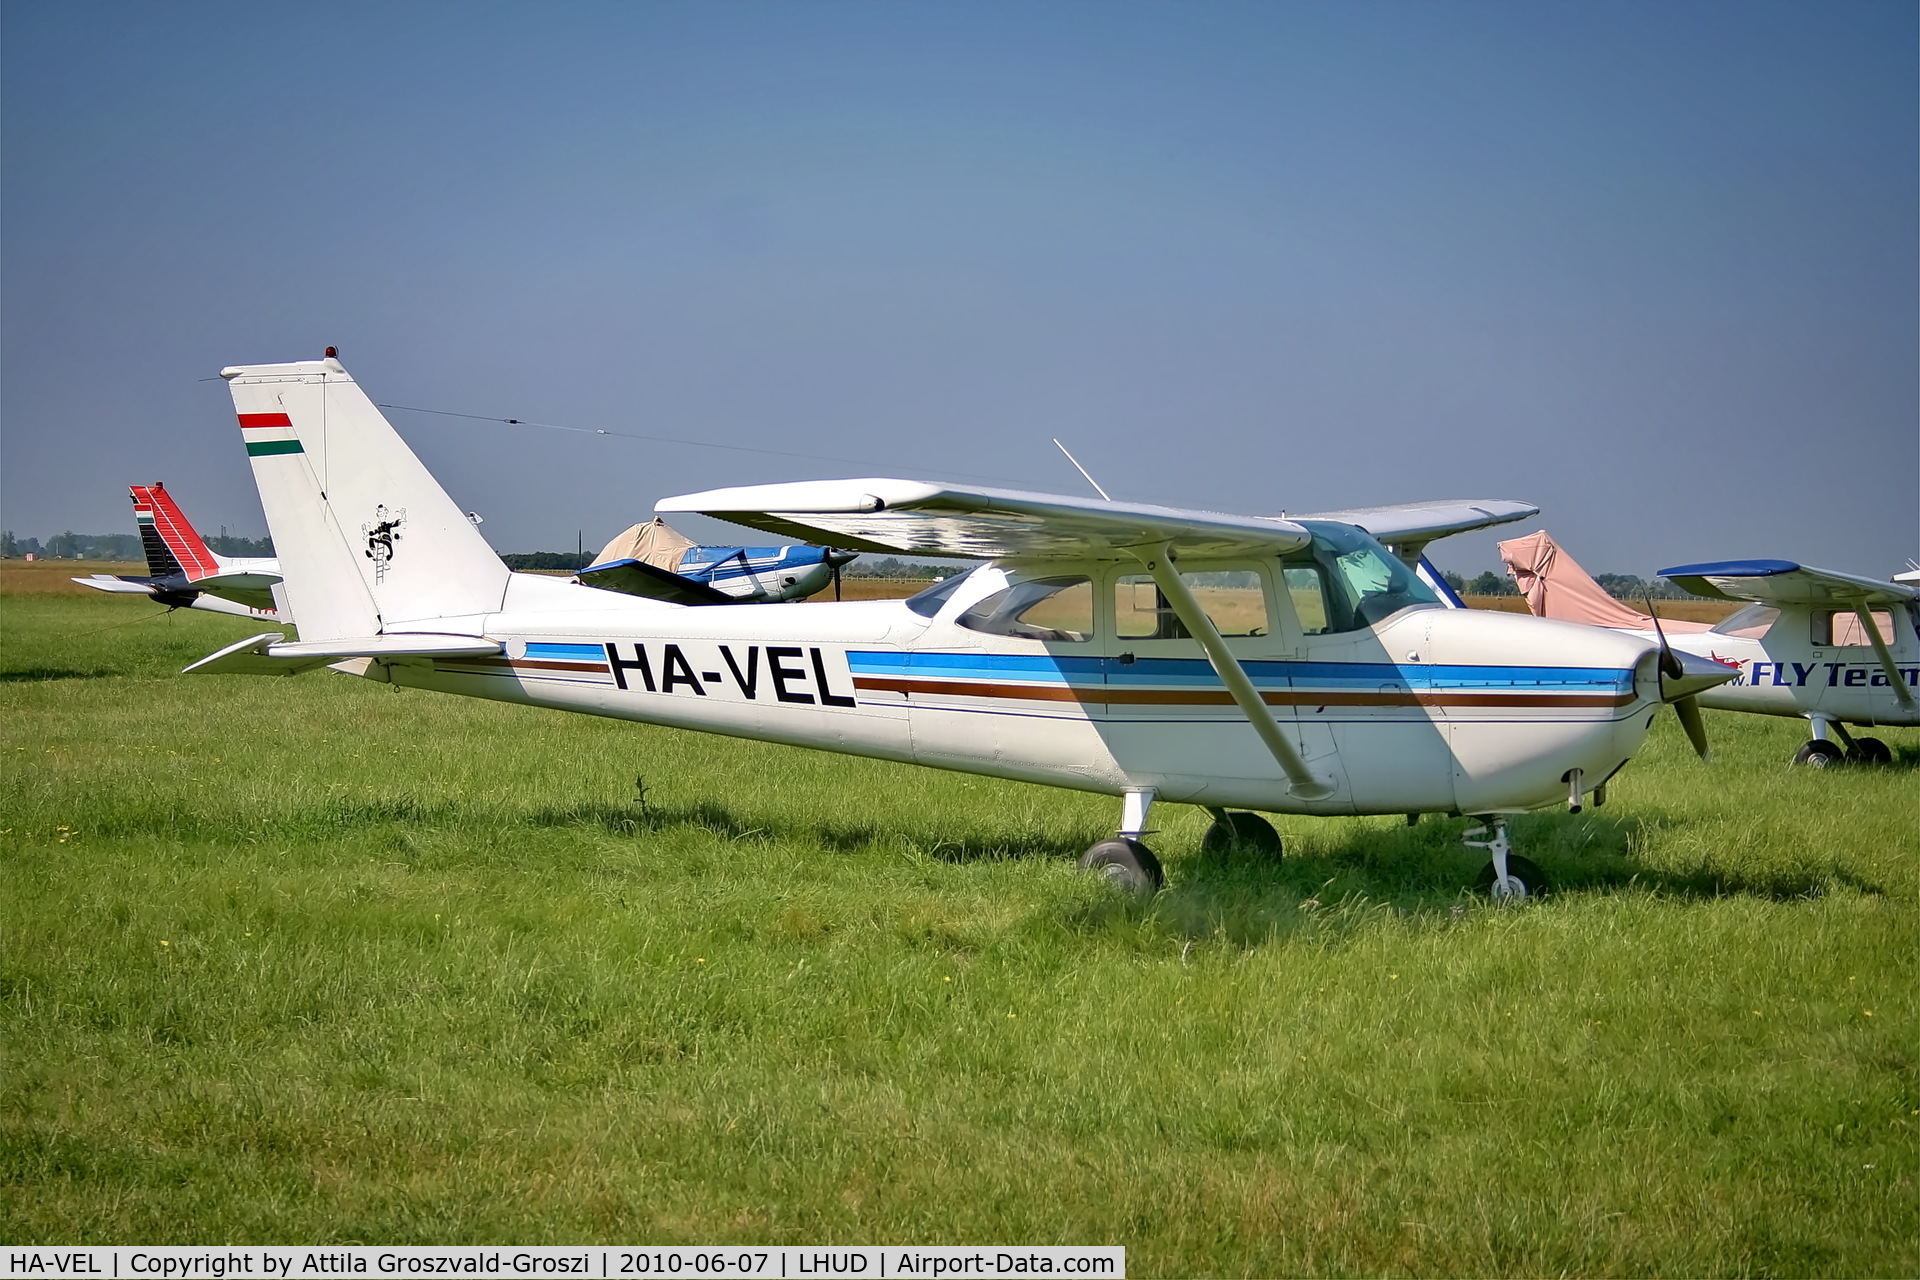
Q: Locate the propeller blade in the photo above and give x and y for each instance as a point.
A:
(836, 576)
(1688, 709)
(1669, 663)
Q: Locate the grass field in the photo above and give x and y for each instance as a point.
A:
(318, 960)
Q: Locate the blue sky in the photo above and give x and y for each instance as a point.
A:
(1650, 266)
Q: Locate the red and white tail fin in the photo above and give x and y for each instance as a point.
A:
(367, 540)
(173, 548)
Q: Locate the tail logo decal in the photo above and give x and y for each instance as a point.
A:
(381, 535)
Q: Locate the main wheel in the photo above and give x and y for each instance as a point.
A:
(1242, 832)
(1533, 881)
(1820, 754)
(1125, 864)
(1870, 751)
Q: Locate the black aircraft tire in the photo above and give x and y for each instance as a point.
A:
(1870, 751)
(1525, 870)
(1820, 754)
(1242, 832)
(1125, 864)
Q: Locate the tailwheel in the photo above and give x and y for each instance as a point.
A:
(1521, 872)
(1125, 864)
(1820, 754)
(1235, 832)
(1870, 751)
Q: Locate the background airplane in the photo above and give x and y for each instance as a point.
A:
(654, 559)
(182, 572)
(1831, 647)
(1232, 662)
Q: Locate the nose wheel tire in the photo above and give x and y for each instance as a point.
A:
(1820, 754)
(1125, 864)
(1532, 881)
(1236, 832)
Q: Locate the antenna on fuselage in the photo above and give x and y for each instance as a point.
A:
(1083, 471)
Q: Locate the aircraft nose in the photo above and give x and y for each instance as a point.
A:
(1695, 674)
(837, 558)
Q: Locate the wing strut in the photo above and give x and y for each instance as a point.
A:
(1159, 563)
(1885, 655)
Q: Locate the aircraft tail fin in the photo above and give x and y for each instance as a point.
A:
(368, 541)
(174, 549)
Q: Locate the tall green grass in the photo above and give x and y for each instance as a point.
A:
(319, 960)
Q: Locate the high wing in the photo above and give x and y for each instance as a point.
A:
(1781, 582)
(1409, 526)
(986, 524)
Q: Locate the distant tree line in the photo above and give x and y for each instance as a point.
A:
(1621, 586)
(126, 546)
(115, 546)
(890, 567)
(571, 561)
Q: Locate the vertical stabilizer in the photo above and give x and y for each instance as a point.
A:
(367, 539)
(173, 547)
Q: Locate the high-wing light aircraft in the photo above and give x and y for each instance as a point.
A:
(1831, 647)
(182, 572)
(1234, 662)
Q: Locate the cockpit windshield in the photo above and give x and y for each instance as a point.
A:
(1345, 580)
(1749, 623)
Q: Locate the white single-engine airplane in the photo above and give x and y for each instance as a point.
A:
(1232, 662)
(182, 572)
(1831, 647)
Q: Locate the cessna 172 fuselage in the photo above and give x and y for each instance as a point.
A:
(1232, 662)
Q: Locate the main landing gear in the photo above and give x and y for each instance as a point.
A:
(1124, 862)
(1823, 752)
(1508, 877)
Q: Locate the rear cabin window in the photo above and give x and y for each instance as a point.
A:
(1235, 600)
(1841, 628)
(1056, 609)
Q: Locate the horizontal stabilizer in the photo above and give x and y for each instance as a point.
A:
(638, 578)
(124, 586)
(1784, 582)
(982, 524)
(267, 655)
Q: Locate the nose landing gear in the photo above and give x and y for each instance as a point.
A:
(1508, 877)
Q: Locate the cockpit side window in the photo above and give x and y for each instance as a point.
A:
(1055, 609)
(1346, 581)
(1841, 628)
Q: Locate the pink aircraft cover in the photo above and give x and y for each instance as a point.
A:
(1557, 587)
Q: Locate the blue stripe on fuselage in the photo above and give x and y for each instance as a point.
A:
(1060, 669)
(567, 652)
